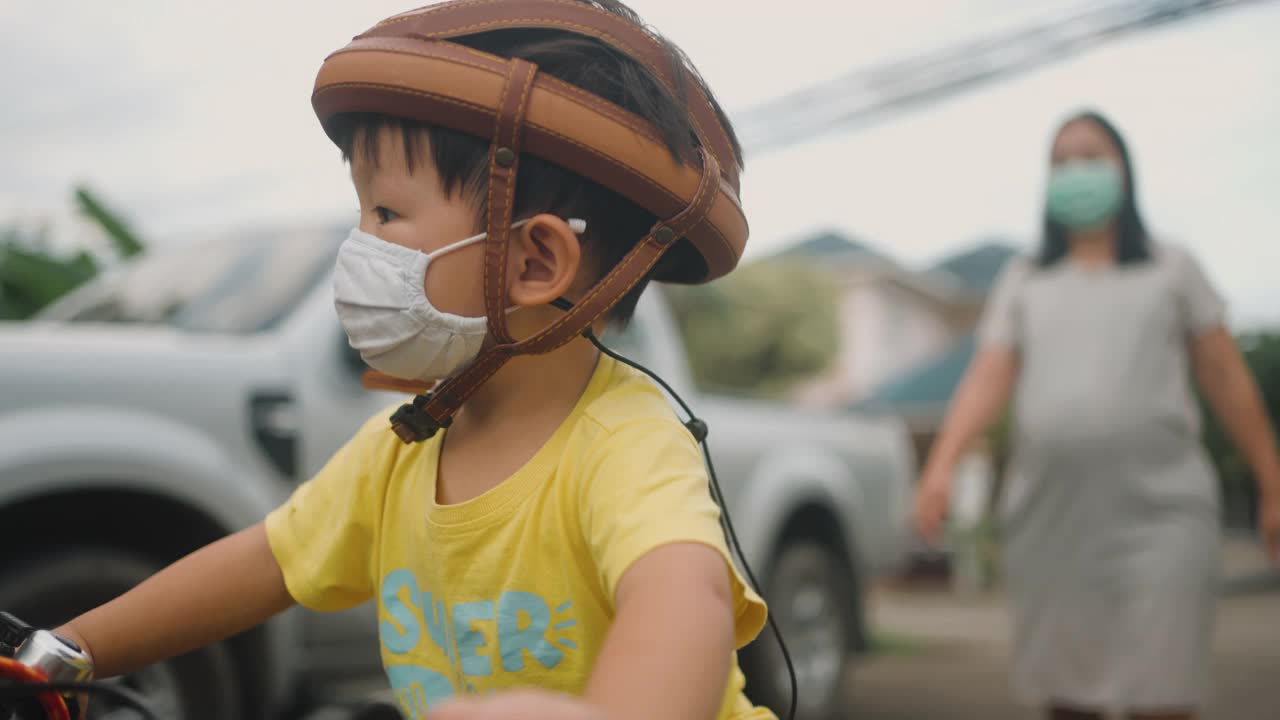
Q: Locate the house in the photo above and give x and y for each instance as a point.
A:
(920, 393)
(920, 396)
(906, 340)
(979, 266)
(894, 320)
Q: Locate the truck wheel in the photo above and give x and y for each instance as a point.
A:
(810, 599)
(50, 590)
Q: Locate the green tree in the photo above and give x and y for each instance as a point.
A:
(760, 329)
(1262, 354)
(123, 237)
(32, 277)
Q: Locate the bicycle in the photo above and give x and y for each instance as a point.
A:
(42, 676)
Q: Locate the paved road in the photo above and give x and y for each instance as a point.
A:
(951, 658)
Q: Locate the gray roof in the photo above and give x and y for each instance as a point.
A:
(978, 267)
(831, 246)
(925, 390)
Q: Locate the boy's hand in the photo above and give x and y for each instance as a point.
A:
(518, 705)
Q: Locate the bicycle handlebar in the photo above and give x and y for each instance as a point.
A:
(25, 695)
(122, 696)
(41, 675)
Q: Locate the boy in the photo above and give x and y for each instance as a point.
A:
(540, 519)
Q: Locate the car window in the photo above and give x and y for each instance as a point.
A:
(261, 285)
(230, 285)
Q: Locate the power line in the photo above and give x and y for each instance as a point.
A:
(866, 94)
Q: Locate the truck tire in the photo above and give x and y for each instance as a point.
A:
(52, 589)
(811, 600)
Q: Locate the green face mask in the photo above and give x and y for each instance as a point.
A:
(1084, 194)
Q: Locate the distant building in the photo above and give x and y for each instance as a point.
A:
(896, 324)
(906, 339)
(920, 397)
(920, 393)
(977, 267)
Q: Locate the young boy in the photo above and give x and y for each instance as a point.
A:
(554, 528)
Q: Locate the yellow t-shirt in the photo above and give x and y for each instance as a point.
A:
(515, 587)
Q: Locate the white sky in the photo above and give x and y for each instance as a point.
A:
(195, 117)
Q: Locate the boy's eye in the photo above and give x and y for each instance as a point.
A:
(384, 215)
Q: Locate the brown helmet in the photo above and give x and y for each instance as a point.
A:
(406, 66)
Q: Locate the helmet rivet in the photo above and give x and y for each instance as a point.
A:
(665, 235)
(505, 157)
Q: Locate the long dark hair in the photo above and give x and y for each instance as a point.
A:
(1132, 244)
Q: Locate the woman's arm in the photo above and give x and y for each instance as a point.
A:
(978, 402)
(1226, 381)
(220, 590)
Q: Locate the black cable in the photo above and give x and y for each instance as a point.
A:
(124, 696)
(698, 428)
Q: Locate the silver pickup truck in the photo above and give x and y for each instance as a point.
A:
(181, 397)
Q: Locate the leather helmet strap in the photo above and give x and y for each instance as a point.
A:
(629, 271)
(468, 17)
(445, 399)
(504, 165)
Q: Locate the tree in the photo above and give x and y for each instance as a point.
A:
(124, 239)
(32, 277)
(1262, 354)
(760, 329)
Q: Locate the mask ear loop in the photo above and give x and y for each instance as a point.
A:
(430, 412)
(577, 225)
(373, 380)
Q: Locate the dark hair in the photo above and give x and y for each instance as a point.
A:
(615, 225)
(1132, 238)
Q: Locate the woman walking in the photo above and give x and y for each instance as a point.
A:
(1110, 514)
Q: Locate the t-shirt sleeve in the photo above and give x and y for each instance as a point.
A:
(1200, 306)
(1001, 318)
(324, 535)
(645, 486)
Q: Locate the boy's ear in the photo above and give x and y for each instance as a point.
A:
(543, 260)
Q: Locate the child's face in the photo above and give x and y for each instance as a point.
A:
(412, 209)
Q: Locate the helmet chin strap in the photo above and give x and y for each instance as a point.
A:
(434, 409)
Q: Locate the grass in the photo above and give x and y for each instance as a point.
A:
(884, 642)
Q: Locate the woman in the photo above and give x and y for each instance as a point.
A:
(1111, 507)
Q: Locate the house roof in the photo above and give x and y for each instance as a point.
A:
(859, 262)
(978, 267)
(924, 391)
(831, 246)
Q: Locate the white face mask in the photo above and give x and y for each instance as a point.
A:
(379, 292)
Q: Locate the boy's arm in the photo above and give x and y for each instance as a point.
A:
(669, 649)
(666, 656)
(220, 590)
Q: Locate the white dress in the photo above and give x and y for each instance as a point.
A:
(1110, 513)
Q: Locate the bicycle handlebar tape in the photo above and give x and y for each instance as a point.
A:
(18, 701)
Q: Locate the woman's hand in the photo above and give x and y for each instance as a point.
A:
(1269, 525)
(932, 501)
(982, 395)
(518, 705)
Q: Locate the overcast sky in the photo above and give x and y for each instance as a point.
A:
(195, 118)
